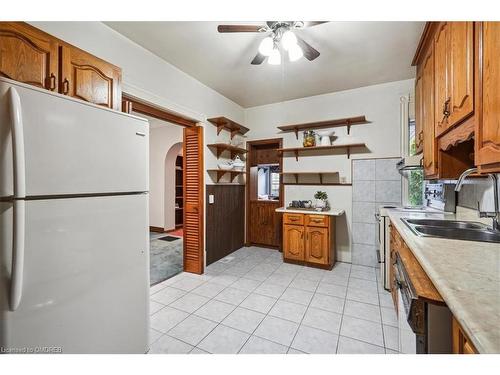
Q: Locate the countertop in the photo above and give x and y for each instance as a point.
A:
(330, 212)
(466, 274)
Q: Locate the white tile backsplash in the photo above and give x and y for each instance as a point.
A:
(375, 182)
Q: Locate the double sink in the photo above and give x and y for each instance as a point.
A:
(453, 230)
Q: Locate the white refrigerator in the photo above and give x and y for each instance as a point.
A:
(74, 240)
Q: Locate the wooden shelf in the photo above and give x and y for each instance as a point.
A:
(231, 126)
(299, 150)
(358, 120)
(221, 147)
(320, 174)
(222, 172)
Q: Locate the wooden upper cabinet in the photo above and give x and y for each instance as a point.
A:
(28, 55)
(441, 75)
(427, 102)
(316, 250)
(293, 242)
(419, 132)
(487, 133)
(461, 82)
(89, 78)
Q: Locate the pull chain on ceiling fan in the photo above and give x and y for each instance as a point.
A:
(280, 33)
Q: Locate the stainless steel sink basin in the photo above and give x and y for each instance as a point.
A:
(453, 230)
(484, 235)
(447, 223)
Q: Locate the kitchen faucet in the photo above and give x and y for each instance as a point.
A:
(493, 177)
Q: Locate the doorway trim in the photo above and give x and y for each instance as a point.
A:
(131, 103)
(251, 144)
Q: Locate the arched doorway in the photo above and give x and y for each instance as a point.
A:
(172, 189)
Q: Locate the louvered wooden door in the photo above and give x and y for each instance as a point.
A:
(193, 199)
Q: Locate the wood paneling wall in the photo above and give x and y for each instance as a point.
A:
(225, 231)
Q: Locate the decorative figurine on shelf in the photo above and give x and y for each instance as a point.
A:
(309, 138)
(321, 200)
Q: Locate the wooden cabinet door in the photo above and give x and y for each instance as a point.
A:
(419, 132)
(89, 78)
(441, 76)
(430, 144)
(264, 223)
(317, 245)
(487, 137)
(461, 68)
(28, 55)
(293, 242)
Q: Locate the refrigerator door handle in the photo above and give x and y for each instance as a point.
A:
(17, 144)
(16, 282)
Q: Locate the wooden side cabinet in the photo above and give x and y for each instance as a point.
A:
(487, 132)
(309, 239)
(461, 343)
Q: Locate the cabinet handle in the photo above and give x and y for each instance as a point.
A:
(52, 82)
(446, 108)
(65, 86)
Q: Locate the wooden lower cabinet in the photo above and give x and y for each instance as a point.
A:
(309, 239)
(316, 249)
(461, 343)
(293, 242)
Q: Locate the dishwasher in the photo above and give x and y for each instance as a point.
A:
(424, 328)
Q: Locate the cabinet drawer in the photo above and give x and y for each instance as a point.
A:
(317, 220)
(295, 219)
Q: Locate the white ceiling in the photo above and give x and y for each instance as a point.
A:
(353, 54)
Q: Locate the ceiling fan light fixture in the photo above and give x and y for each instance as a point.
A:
(266, 46)
(288, 40)
(295, 53)
(274, 57)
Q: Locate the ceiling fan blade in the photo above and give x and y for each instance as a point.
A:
(239, 28)
(310, 53)
(258, 59)
(313, 23)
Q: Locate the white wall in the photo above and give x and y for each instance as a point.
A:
(381, 106)
(165, 142)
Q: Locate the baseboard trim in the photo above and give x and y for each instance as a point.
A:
(156, 229)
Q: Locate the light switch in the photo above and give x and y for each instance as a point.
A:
(211, 199)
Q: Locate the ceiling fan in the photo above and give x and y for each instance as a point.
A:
(280, 33)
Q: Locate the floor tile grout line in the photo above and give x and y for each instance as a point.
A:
(343, 310)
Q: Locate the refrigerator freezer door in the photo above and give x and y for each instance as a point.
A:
(71, 147)
(85, 279)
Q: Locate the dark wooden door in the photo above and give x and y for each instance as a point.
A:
(264, 223)
(89, 78)
(28, 55)
(193, 199)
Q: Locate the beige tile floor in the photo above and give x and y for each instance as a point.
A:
(252, 302)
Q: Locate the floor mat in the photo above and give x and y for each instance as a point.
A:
(169, 238)
(166, 260)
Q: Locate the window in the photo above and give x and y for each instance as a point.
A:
(268, 182)
(413, 179)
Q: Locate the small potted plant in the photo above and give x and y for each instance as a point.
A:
(321, 198)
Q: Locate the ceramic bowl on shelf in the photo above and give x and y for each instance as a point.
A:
(238, 164)
(225, 166)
